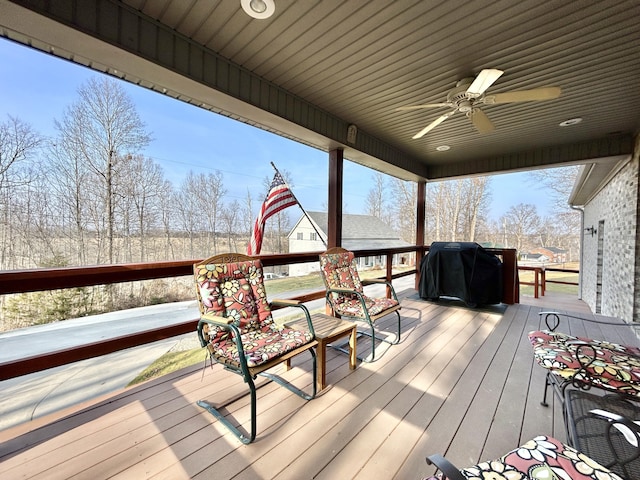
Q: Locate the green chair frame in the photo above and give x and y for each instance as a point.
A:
(353, 287)
(241, 365)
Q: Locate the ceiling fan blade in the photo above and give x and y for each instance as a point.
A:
(481, 121)
(544, 93)
(433, 124)
(418, 107)
(483, 81)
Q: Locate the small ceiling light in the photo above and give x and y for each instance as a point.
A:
(259, 9)
(571, 121)
(443, 148)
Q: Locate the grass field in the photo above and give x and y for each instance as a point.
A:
(528, 276)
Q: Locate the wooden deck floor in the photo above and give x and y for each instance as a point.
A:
(462, 383)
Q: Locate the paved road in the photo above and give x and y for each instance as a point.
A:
(31, 396)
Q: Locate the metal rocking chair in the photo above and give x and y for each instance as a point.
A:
(238, 330)
(346, 297)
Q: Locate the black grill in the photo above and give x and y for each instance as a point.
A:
(461, 270)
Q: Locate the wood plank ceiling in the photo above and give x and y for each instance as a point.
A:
(317, 66)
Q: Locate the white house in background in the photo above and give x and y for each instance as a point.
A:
(359, 232)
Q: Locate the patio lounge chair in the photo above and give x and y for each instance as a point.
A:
(345, 294)
(238, 330)
(543, 458)
(584, 362)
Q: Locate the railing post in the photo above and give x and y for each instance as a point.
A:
(389, 272)
(510, 283)
(536, 282)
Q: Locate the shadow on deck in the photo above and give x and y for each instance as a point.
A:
(462, 383)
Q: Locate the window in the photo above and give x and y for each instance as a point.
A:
(313, 236)
(299, 236)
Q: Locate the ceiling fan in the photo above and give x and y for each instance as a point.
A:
(468, 95)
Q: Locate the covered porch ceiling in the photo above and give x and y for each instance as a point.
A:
(317, 67)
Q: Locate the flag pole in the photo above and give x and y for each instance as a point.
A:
(300, 205)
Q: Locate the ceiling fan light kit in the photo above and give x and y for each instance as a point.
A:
(469, 94)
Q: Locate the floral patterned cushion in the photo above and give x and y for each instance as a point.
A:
(339, 270)
(236, 290)
(616, 367)
(543, 458)
(353, 307)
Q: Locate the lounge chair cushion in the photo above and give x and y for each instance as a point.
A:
(541, 458)
(616, 368)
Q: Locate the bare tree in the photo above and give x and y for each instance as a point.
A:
(187, 210)
(557, 184)
(404, 201)
(247, 215)
(522, 222)
(105, 130)
(167, 209)
(476, 194)
(563, 225)
(209, 193)
(19, 144)
(69, 177)
(230, 217)
(145, 185)
(377, 202)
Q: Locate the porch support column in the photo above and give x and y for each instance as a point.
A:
(334, 220)
(420, 219)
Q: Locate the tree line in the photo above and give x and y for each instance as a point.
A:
(458, 210)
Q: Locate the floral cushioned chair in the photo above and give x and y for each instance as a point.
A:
(585, 362)
(346, 296)
(543, 458)
(238, 330)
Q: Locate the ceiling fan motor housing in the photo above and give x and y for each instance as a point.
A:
(459, 97)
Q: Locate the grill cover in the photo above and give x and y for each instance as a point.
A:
(463, 270)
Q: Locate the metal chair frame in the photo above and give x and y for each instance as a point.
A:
(369, 319)
(250, 373)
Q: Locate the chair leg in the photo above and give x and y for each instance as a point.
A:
(399, 332)
(252, 390)
(546, 389)
(240, 435)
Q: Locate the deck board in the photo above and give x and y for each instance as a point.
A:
(462, 382)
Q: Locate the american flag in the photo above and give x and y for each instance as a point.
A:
(278, 198)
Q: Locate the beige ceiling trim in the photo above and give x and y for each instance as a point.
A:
(585, 152)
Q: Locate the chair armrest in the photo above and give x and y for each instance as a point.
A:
(381, 281)
(298, 304)
(283, 302)
(208, 319)
(445, 466)
(342, 290)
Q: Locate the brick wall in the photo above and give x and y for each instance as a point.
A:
(614, 213)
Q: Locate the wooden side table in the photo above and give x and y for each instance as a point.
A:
(328, 329)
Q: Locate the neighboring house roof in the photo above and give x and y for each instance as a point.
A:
(550, 249)
(531, 256)
(358, 231)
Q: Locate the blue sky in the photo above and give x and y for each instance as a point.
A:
(37, 88)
